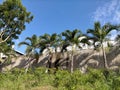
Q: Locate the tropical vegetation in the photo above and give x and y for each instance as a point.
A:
(13, 18)
(61, 80)
(99, 34)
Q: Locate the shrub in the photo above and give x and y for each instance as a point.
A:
(95, 79)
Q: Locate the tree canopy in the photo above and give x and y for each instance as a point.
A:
(13, 16)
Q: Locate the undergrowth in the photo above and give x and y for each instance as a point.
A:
(94, 79)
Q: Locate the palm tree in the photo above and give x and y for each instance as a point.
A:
(72, 39)
(99, 34)
(32, 50)
(49, 42)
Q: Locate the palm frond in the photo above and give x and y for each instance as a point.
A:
(23, 43)
(28, 38)
(67, 34)
(90, 31)
(28, 50)
(108, 28)
(97, 26)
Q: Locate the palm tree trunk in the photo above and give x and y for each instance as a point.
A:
(48, 65)
(27, 67)
(67, 63)
(49, 61)
(104, 57)
(28, 64)
(71, 63)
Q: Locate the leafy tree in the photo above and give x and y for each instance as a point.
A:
(99, 34)
(13, 17)
(72, 39)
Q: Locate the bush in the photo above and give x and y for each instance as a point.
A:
(17, 79)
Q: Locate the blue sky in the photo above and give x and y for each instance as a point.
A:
(56, 16)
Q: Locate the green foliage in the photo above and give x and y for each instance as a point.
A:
(13, 17)
(48, 40)
(6, 50)
(99, 33)
(72, 37)
(17, 79)
(32, 46)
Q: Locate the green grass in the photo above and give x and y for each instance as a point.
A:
(61, 80)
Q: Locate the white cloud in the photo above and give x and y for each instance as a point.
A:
(108, 12)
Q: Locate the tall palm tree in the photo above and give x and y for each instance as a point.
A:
(49, 42)
(32, 50)
(99, 34)
(72, 39)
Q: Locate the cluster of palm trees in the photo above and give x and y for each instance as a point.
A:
(36, 45)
